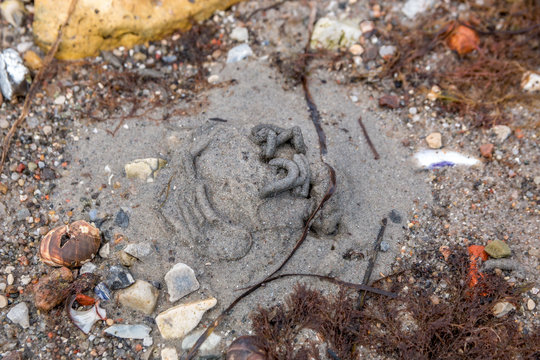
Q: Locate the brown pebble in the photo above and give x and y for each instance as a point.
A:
(389, 101)
(487, 150)
(3, 188)
(32, 60)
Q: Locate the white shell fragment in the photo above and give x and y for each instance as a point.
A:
(432, 159)
(239, 53)
(125, 331)
(332, 34)
(85, 319)
(530, 81)
(12, 74)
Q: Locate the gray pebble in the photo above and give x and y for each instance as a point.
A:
(119, 278)
(122, 219)
(385, 246)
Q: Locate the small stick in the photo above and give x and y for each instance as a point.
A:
(372, 260)
(33, 88)
(371, 146)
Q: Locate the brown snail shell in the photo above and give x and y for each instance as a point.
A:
(246, 348)
(70, 245)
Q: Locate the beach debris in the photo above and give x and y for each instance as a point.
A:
(169, 353)
(85, 300)
(52, 289)
(239, 53)
(122, 219)
(144, 169)
(85, 319)
(13, 74)
(506, 264)
(19, 315)
(110, 25)
(462, 39)
(125, 331)
(432, 159)
(476, 253)
(180, 281)
(502, 132)
(498, 249)
(33, 61)
(140, 296)
(70, 245)
(13, 11)
(486, 150)
(208, 345)
(102, 292)
(332, 34)
(434, 140)
(502, 308)
(138, 250)
(270, 137)
(118, 277)
(179, 320)
(246, 348)
(530, 82)
(240, 34)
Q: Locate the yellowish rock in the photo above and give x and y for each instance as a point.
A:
(32, 60)
(178, 321)
(141, 296)
(434, 140)
(104, 24)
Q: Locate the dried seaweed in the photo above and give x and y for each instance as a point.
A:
(481, 84)
(459, 325)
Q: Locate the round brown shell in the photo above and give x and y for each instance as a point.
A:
(70, 245)
(246, 348)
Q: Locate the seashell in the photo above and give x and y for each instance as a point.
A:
(70, 245)
(246, 348)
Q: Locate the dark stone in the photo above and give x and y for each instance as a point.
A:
(395, 216)
(119, 278)
(48, 174)
(122, 219)
(389, 101)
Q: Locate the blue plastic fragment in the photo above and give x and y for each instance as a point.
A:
(441, 164)
(102, 292)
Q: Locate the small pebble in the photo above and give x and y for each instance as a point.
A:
(4, 124)
(487, 150)
(502, 132)
(47, 129)
(498, 249)
(434, 140)
(530, 304)
(389, 101)
(240, 34)
(385, 246)
(10, 279)
(122, 219)
(387, 51)
(169, 353)
(356, 49)
(60, 100)
(502, 308)
(19, 315)
(3, 301)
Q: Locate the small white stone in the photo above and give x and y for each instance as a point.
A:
(239, 53)
(240, 34)
(181, 281)
(105, 251)
(169, 353)
(208, 345)
(502, 308)
(413, 7)
(19, 315)
(367, 26)
(60, 100)
(141, 296)
(3, 301)
(10, 279)
(332, 34)
(4, 124)
(139, 250)
(530, 81)
(387, 51)
(413, 111)
(434, 140)
(47, 129)
(25, 279)
(213, 79)
(502, 132)
(530, 304)
(148, 341)
(88, 268)
(144, 169)
(179, 320)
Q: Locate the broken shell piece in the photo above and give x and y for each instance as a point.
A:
(246, 348)
(432, 159)
(12, 74)
(144, 169)
(530, 81)
(85, 319)
(125, 331)
(70, 245)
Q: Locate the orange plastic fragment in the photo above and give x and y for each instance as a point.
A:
(476, 252)
(85, 300)
(463, 40)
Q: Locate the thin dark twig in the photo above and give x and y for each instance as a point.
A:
(372, 260)
(264, 8)
(33, 88)
(368, 139)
